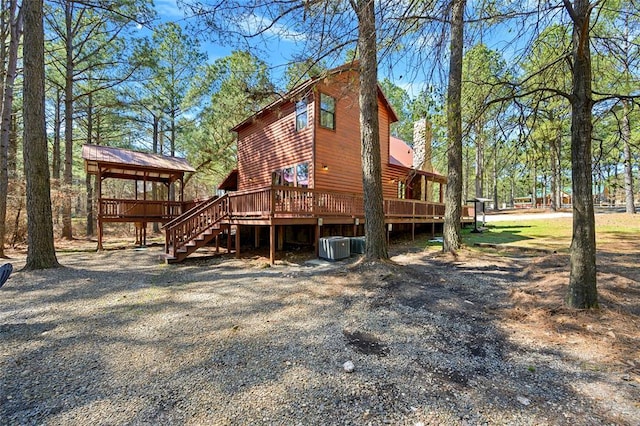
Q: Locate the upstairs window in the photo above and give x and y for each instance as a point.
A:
(327, 111)
(301, 114)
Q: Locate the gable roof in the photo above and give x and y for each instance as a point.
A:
(308, 84)
(400, 154)
(127, 164)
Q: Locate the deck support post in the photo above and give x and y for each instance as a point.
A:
(388, 233)
(413, 231)
(316, 241)
(237, 241)
(228, 238)
(218, 243)
(272, 243)
(256, 237)
(281, 238)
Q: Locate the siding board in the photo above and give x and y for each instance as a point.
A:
(271, 142)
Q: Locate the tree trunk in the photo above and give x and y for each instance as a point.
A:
(556, 170)
(15, 24)
(479, 164)
(451, 233)
(41, 252)
(534, 185)
(554, 177)
(12, 159)
(154, 185)
(88, 183)
(4, 36)
(55, 165)
(628, 166)
(67, 231)
(172, 191)
(466, 174)
(495, 177)
(582, 292)
(370, 133)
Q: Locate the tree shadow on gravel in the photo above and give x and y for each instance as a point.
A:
(233, 344)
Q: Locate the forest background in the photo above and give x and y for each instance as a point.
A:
(134, 74)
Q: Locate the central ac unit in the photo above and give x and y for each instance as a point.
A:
(357, 245)
(334, 248)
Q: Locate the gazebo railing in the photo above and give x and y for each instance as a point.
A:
(114, 208)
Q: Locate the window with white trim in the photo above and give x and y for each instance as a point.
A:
(302, 119)
(327, 111)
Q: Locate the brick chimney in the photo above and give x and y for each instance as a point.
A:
(422, 145)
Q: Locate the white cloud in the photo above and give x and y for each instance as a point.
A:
(168, 9)
(253, 24)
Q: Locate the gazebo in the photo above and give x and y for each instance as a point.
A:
(108, 162)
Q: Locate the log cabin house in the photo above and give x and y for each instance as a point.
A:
(299, 175)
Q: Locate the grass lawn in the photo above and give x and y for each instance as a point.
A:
(548, 234)
(553, 234)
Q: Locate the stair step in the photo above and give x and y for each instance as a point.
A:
(203, 237)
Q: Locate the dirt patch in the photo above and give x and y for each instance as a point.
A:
(472, 338)
(605, 337)
(365, 343)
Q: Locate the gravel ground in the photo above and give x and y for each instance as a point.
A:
(120, 338)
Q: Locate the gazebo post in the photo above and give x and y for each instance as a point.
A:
(100, 212)
(182, 188)
(145, 211)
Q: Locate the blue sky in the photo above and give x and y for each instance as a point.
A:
(168, 10)
(413, 79)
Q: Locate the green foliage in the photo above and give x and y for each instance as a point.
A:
(401, 104)
(227, 92)
(297, 72)
(172, 59)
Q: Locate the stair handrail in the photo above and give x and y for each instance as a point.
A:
(197, 209)
(171, 229)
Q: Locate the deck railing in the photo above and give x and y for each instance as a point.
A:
(115, 208)
(252, 203)
(276, 201)
(287, 201)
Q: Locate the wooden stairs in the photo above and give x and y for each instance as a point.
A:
(195, 228)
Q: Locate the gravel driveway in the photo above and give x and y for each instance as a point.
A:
(119, 338)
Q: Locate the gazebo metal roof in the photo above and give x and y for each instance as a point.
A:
(127, 164)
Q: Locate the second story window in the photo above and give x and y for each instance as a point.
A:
(327, 111)
(301, 114)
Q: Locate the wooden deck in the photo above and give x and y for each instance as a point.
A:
(282, 202)
(281, 205)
